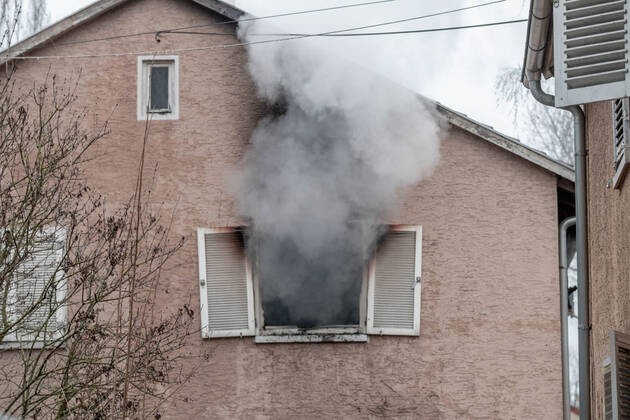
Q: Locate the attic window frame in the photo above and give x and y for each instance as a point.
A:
(145, 64)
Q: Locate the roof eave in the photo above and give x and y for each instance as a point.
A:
(507, 143)
(89, 13)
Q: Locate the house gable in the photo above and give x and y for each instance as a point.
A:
(88, 14)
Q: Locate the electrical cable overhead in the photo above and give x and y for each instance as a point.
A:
(248, 19)
(411, 31)
(289, 37)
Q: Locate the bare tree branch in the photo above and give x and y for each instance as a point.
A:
(63, 252)
(545, 128)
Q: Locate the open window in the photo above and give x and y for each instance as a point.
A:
(325, 302)
(158, 87)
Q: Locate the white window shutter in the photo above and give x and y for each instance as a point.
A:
(394, 283)
(37, 294)
(621, 159)
(225, 284)
(607, 400)
(620, 375)
(590, 51)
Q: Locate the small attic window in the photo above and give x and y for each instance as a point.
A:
(158, 90)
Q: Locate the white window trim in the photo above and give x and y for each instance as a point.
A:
(417, 288)
(13, 340)
(143, 87)
(206, 332)
(312, 337)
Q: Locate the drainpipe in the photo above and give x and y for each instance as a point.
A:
(581, 242)
(564, 314)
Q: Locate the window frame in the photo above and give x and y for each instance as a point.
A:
(335, 334)
(281, 334)
(15, 340)
(145, 63)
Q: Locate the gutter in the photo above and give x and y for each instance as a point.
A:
(536, 51)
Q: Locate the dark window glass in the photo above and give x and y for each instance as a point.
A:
(159, 89)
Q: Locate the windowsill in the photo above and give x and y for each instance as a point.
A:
(315, 335)
(23, 345)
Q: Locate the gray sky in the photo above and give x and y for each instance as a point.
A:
(456, 68)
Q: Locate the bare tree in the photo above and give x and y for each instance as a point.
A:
(78, 280)
(20, 18)
(545, 128)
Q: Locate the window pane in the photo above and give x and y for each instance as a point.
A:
(159, 88)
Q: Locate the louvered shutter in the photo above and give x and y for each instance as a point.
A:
(608, 412)
(590, 51)
(37, 292)
(394, 286)
(620, 375)
(620, 109)
(226, 289)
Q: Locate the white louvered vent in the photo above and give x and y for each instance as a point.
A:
(394, 290)
(591, 50)
(225, 284)
(620, 375)
(620, 109)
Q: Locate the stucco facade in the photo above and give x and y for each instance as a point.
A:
(609, 246)
(489, 344)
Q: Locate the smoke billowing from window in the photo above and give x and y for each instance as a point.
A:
(321, 174)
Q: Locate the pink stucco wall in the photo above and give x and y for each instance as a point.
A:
(489, 345)
(609, 246)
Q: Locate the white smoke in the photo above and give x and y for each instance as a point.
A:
(323, 172)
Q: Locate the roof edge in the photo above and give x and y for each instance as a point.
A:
(507, 143)
(41, 38)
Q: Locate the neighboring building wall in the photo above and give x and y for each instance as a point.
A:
(489, 343)
(609, 245)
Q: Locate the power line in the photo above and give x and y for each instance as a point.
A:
(412, 31)
(347, 6)
(393, 22)
(178, 30)
(249, 19)
(287, 38)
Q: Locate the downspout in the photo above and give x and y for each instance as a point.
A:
(564, 314)
(581, 243)
(537, 48)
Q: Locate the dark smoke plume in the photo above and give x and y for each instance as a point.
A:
(321, 174)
